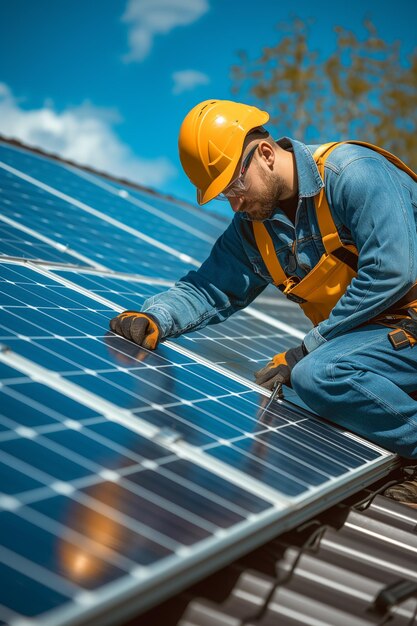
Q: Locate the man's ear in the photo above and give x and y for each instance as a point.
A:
(266, 151)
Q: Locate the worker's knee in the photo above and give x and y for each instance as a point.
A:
(309, 378)
(323, 380)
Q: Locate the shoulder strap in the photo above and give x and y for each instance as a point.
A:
(327, 227)
(266, 248)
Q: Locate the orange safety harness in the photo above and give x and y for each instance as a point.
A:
(319, 291)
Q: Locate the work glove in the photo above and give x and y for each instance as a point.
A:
(279, 369)
(142, 328)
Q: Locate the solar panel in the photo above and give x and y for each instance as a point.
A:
(84, 230)
(127, 474)
(19, 243)
(204, 225)
(125, 208)
(242, 343)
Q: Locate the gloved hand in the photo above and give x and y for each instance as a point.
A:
(142, 328)
(279, 369)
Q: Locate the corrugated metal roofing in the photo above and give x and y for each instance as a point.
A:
(363, 573)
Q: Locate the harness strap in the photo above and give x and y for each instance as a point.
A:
(266, 248)
(330, 237)
(328, 230)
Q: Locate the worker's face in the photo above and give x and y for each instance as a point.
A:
(263, 185)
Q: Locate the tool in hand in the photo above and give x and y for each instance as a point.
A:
(276, 393)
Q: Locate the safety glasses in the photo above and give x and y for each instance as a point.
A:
(237, 187)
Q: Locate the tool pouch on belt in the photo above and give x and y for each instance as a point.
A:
(404, 333)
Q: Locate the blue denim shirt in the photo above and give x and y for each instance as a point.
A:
(374, 206)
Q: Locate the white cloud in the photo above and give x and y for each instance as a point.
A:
(147, 18)
(83, 134)
(186, 80)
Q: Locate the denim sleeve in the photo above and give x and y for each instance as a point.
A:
(224, 284)
(369, 198)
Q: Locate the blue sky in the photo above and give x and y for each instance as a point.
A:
(108, 83)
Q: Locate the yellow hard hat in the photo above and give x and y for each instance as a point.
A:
(211, 141)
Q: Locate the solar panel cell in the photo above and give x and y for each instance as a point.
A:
(32, 404)
(51, 464)
(38, 598)
(15, 481)
(170, 490)
(246, 461)
(127, 442)
(105, 457)
(133, 506)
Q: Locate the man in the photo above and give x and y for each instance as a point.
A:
(337, 233)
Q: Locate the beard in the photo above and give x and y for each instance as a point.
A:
(260, 210)
(260, 214)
